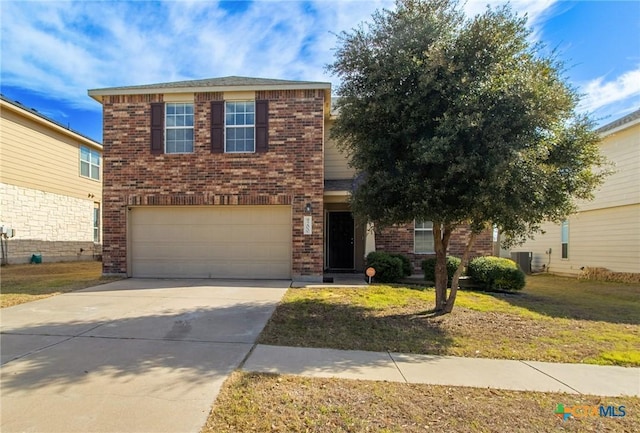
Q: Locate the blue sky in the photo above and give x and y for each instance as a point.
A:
(52, 52)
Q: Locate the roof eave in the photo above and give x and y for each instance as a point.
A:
(619, 128)
(98, 94)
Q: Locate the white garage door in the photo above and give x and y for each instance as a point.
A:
(211, 242)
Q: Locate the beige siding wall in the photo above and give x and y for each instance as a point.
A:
(607, 238)
(606, 231)
(622, 187)
(335, 162)
(38, 157)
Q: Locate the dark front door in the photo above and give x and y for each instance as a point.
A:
(340, 239)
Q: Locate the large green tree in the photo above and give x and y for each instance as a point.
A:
(460, 121)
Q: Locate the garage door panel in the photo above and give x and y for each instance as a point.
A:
(211, 242)
(266, 250)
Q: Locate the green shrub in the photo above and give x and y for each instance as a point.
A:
(496, 273)
(407, 266)
(388, 268)
(429, 268)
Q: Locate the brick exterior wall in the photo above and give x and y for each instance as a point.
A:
(291, 172)
(399, 239)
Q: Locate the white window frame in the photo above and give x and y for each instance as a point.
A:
(174, 127)
(92, 164)
(422, 229)
(96, 223)
(564, 240)
(228, 127)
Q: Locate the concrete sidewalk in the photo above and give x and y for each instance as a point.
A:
(446, 370)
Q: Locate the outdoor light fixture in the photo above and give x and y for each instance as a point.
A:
(307, 208)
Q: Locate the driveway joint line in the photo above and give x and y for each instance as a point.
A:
(107, 337)
(550, 376)
(246, 357)
(95, 327)
(39, 349)
(397, 367)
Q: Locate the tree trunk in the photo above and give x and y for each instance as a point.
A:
(441, 237)
(456, 276)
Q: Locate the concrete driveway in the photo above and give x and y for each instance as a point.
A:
(136, 355)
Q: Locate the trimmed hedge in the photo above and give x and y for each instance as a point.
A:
(429, 268)
(388, 268)
(407, 267)
(496, 273)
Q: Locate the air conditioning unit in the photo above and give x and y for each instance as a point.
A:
(523, 259)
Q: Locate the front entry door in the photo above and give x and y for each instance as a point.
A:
(340, 239)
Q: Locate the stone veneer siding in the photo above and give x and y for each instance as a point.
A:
(400, 238)
(53, 225)
(290, 173)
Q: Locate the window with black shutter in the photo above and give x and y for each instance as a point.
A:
(157, 128)
(217, 126)
(262, 126)
(239, 126)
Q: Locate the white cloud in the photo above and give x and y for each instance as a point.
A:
(600, 92)
(64, 48)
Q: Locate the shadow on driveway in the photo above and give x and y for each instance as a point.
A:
(126, 356)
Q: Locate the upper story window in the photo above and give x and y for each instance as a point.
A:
(239, 122)
(179, 128)
(423, 237)
(89, 163)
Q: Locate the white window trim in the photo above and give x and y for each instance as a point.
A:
(564, 225)
(421, 229)
(96, 228)
(91, 153)
(166, 128)
(239, 126)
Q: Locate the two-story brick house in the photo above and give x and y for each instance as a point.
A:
(230, 178)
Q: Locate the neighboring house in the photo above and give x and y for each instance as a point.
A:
(232, 178)
(50, 188)
(605, 233)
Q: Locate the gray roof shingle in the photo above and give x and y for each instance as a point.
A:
(232, 81)
(619, 122)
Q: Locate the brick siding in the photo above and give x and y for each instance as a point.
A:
(399, 239)
(291, 172)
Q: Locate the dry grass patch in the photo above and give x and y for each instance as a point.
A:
(250, 402)
(553, 319)
(26, 283)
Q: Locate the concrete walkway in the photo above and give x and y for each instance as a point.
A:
(446, 370)
(134, 355)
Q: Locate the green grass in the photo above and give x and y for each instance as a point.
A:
(552, 319)
(26, 283)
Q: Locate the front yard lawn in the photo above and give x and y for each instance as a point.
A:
(26, 283)
(251, 402)
(553, 319)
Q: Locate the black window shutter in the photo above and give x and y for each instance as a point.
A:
(262, 126)
(157, 128)
(217, 126)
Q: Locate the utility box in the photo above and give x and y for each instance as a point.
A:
(523, 259)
